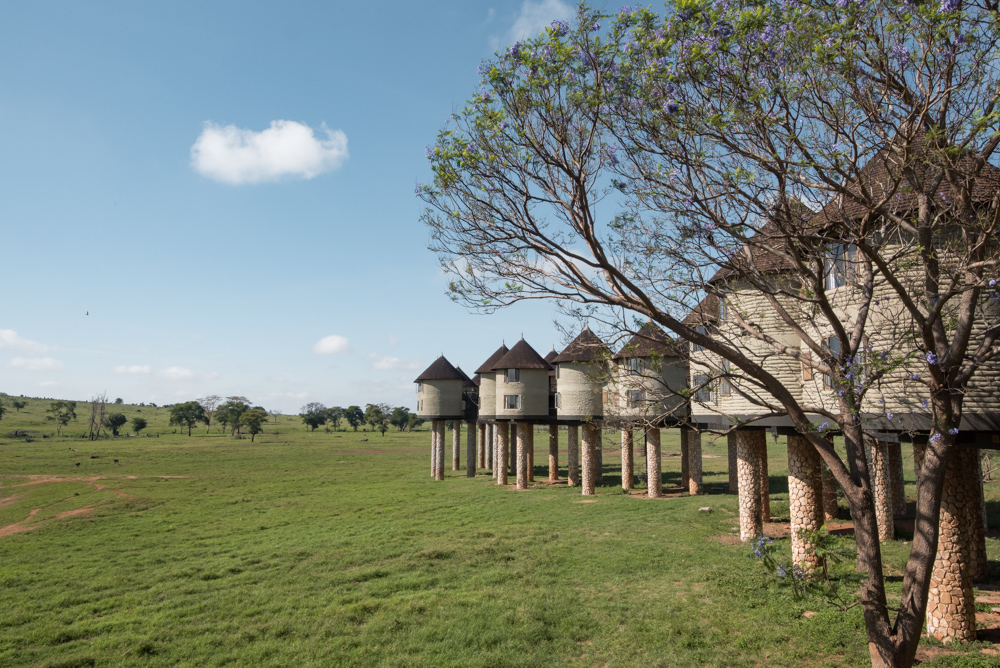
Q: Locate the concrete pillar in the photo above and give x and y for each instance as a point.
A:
(878, 462)
(829, 495)
(573, 455)
(522, 454)
(734, 484)
(503, 445)
(685, 460)
(627, 459)
(489, 447)
(805, 499)
(765, 480)
(456, 443)
(974, 514)
(434, 448)
(481, 447)
(439, 451)
(471, 439)
(530, 449)
(599, 450)
(512, 439)
(553, 453)
(897, 483)
(748, 451)
(694, 461)
(653, 479)
(951, 609)
(589, 482)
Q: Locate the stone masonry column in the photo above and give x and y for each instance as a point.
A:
(599, 452)
(974, 514)
(694, 462)
(805, 499)
(654, 482)
(439, 453)
(481, 447)
(951, 610)
(734, 484)
(878, 458)
(502, 445)
(685, 459)
(512, 427)
(530, 447)
(434, 447)
(522, 454)
(589, 460)
(456, 444)
(627, 459)
(489, 447)
(553, 453)
(896, 479)
(829, 494)
(765, 479)
(471, 439)
(573, 455)
(748, 469)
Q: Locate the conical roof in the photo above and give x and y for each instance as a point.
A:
(522, 356)
(584, 348)
(650, 340)
(477, 380)
(552, 355)
(493, 359)
(441, 369)
(466, 381)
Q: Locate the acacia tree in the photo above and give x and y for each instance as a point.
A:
(313, 415)
(254, 420)
(61, 412)
(116, 421)
(354, 416)
(209, 403)
(138, 424)
(710, 132)
(377, 415)
(187, 414)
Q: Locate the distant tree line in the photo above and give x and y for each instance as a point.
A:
(379, 416)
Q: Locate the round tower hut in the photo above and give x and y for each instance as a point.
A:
(439, 398)
(522, 397)
(488, 411)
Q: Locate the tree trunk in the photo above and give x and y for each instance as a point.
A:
(502, 445)
(456, 444)
(589, 460)
(829, 495)
(694, 462)
(654, 482)
(898, 481)
(512, 439)
(973, 477)
(734, 485)
(627, 459)
(522, 455)
(472, 439)
(805, 500)
(553, 453)
(491, 448)
(573, 455)
(878, 456)
(748, 466)
(439, 475)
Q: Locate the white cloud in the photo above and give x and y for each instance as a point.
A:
(132, 368)
(286, 149)
(36, 363)
(175, 373)
(10, 339)
(385, 362)
(293, 395)
(535, 16)
(48, 383)
(331, 345)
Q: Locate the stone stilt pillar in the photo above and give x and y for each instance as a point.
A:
(530, 448)
(456, 444)
(573, 455)
(805, 499)
(553, 453)
(627, 459)
(471, 438)
(878, 460)
(829, 495)
(765, 479)
(503, 445)
(434, 448)
(522, 454)
(685, 459)
(973, 529)
(481, 447)
(694, 462)
(734, 484)
(512, 439)
(439, 452)
(951, 609)
(589, 482)
(654, 483)
(748, 452)
(489, 447)
(897, 482)
(599, 450)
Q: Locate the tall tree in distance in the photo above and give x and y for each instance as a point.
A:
(187, 414)
(313, 415)
(254, 420)
(354, 416)
(230, 414)
(115, 421)
(18, 404)
(138, 424)
(334, 415)
(209, 403)
(400, 417)
(377, 415)
(61, 412)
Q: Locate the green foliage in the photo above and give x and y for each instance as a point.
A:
(3, 409)
(400, 418)
(377, 415)
(314, 415)
(354, 416)
(230, 414)
(18, 404)
(119, 401)
(138, 424)
(187, 414)
(115, 421)
(255, 418)
(61, 412)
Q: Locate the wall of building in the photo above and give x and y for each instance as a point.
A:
(440, 399)
(580, 386)
(487, 396)
(534, 390)
(660, 381)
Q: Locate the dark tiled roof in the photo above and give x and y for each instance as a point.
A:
(477, 379)
(466, 381)
(767, 249)
(584, 348)
(552, 355)
(704, 313)
(493, 359)
(650, 340)
(522, 356)
(441, 369)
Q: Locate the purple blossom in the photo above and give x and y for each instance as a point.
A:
(429, 152)
(993, 282)
(923, 404)
(901, 54)
(953, 431)
(888, 416)
(560, 28)
(670, 107)
(625, 9)
(823, 427)
(514, 50)
(595, 26)
(932, 358)
(949, 5)
(935, 438)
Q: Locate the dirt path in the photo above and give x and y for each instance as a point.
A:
(27, 525)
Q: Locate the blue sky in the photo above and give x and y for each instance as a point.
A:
(282, 258)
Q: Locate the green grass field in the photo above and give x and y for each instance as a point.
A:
(321, 549)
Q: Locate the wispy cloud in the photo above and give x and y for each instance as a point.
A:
(10, 339)
(48, 383)
(293, 395)
(535, 16)
(175, 373)
(385, 362)
(132, 368)
(331, 345)
(238, 156)
(36, 363)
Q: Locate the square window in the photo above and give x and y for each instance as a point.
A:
(833, 343)
(635, 366)
(727, 387)
(635, 398)
(704, 389)
(512, 402)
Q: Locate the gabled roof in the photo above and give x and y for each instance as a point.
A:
(706, 312)
(466, 381)
(440, 369)
(767, 249)
(487, 366)
(650, 340)
(522, 356)
(584, 348)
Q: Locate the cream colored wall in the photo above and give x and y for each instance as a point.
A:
(660, 386)
(533, 388)
(580, 386)
(487, 396)
(441, 398)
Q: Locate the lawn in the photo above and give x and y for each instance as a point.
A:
(327, 549)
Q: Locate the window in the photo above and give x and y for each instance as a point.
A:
(420, 387)
(420, 405)
(701, 330)
(723, 311)
(557, 400)
(512, 402)
(833, 343)
(807, 371)
(635, 398)
(513, 375)
(557, 372)
(704, 391)
(839, 266)
(727, 387)
(635, 366)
